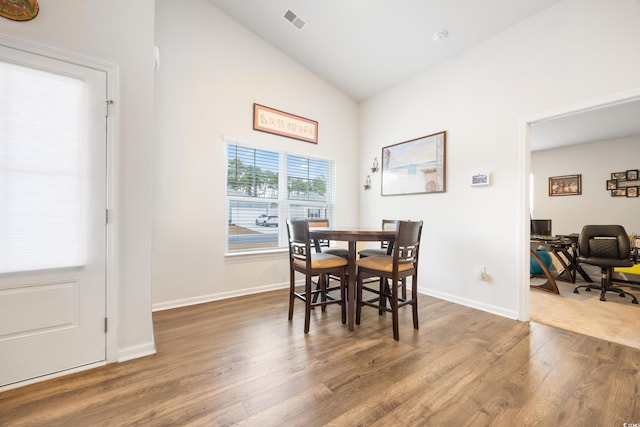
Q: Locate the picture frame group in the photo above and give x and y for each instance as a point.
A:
(624, 184)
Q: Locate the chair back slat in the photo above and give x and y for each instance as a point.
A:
(317, 222)
(407, 242)
(388, 224)
(299, 245)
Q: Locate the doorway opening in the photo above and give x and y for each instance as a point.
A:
(606, 119)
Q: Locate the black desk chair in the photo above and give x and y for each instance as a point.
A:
(605, 246)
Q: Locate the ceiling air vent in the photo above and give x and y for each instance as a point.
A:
(297, 22)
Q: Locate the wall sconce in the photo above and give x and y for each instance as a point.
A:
(367, 183)
(375, 168)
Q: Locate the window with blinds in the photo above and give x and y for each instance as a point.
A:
(259, 201)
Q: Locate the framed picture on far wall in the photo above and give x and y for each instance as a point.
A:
(417, 166)
(567, 185)
(632, 191)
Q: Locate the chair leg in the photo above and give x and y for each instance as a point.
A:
(384, 291)
(343, 296)
(605, 279)
(394, 310)
(587, 288)
(604, 287)
(623, 294)
(414, 299)
(307, 303)
(315, 296)
(358, 303)
(322, 282)
(292, 290)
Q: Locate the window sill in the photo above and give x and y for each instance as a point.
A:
(256, 254)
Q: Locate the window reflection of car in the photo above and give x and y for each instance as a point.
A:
(262, 219)
(267, 220)
(272, 221)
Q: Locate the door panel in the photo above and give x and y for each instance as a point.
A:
(52, 216)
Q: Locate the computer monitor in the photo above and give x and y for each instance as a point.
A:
(541, 227)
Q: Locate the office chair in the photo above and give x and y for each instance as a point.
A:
(605, 246)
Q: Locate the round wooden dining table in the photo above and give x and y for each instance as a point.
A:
(352, 235)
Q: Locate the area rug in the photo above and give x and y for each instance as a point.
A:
(615, 319)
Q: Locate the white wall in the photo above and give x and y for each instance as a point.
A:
(120, 32)
(595, 161)
(212, 71)
(571, 53)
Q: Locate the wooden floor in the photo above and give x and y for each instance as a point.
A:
(240, 362)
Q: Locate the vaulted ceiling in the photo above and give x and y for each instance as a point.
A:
(363, 47)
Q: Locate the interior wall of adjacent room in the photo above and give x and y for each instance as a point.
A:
(595, 161)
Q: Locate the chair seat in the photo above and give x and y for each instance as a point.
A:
(322, 260)
(607, 262)
(382, 263)
(341, 252)
(372, 252)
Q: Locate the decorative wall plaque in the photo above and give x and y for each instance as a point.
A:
(19, 10)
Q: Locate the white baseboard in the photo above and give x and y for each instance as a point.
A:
(166, 305)
(470, 303)
(51, 376)
(225, 295)
(136, 351)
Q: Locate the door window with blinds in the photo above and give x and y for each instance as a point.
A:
(41, 169)
(266, 187)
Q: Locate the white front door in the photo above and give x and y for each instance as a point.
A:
(52, 216)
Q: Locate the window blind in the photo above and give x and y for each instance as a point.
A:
(41, 169)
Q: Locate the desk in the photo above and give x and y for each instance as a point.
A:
(351, 235)
(556, 247)
(571, 253)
